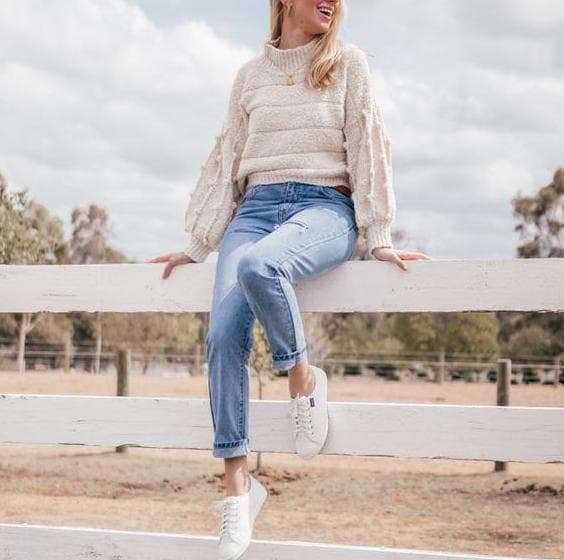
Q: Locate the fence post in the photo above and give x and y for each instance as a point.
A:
(123, 361)
(440, 371)
(67, 353)
(198, 368)
(503, 383)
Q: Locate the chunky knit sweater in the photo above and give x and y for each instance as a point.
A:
(277, 129)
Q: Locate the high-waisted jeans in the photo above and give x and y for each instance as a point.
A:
(280, 234)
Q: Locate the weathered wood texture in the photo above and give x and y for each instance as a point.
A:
(521, 434)
(365, 286)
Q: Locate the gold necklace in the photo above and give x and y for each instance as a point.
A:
(289, 77)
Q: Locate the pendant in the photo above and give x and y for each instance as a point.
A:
(290, 81)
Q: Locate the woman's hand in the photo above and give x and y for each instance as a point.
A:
(397, 257)
(172, 260)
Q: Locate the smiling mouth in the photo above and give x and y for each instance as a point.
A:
(326, 13)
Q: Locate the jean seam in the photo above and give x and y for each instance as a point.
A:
(209, 383)
(290, 355)
(251, 192)
(229, 444)
(241, 374)
(293, 326)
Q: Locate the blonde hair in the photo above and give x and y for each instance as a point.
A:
(326, 54)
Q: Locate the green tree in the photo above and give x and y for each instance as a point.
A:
(89, 244)
(541, 219)
(540, 222)
(152, 334)
(530, 341)
(463, 332)
(29, 235)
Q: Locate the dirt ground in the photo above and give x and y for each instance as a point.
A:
(429, 504)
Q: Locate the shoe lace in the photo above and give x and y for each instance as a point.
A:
(230, 517)
(300, 411)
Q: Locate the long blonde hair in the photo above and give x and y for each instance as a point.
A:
(326, 55)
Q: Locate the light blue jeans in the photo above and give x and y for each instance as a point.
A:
(280, 234)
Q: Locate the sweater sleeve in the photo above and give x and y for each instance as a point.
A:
(369, 156)
(213, 200)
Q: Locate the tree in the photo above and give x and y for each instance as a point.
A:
(89, 245)
(462, 332)
(28, 235)
(530, 341)
(152, 333)
(542, 218)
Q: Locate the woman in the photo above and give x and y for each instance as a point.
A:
(298, 182)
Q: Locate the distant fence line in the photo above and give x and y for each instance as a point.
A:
(388, 369)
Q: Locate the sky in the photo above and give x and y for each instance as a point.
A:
(118, 102)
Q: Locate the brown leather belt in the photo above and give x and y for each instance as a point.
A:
(344, 189)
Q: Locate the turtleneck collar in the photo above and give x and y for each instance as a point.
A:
(288, 59)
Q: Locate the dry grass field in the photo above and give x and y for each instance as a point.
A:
(429, 504)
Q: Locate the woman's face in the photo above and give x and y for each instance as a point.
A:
(313, 16)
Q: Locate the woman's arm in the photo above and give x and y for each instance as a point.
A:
(369, 154)
(211, 204)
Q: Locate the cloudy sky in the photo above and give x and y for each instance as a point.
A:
(118, 102)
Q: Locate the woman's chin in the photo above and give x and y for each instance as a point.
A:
(318, 28)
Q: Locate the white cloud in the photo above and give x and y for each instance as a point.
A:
(100, 105)
(473, 97)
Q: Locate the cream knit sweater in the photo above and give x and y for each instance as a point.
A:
(277, 129)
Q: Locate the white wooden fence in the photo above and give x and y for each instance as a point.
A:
(497, 433)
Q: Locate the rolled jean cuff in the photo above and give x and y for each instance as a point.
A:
(232, 449)
(286, 361)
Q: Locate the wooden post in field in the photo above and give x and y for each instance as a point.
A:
(123, 361)
(67, 353)
(198, 368)
(440, 371)
(503, 384)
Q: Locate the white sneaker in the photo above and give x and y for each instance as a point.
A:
(239, 514)
(310, 417)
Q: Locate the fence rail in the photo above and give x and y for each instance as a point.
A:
(502, 433)
(364, 286)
